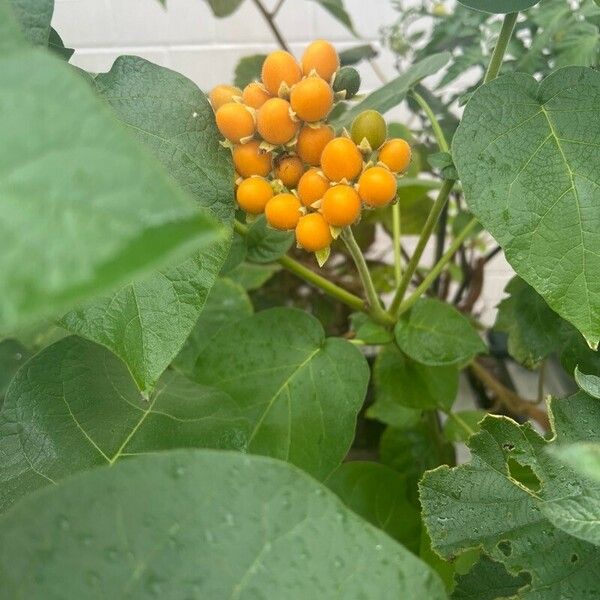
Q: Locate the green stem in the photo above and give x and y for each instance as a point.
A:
(373, 301)
(435, 124)
(421, 244)
(437, 268)
(313, 278)
(396, 234)
(508, 26)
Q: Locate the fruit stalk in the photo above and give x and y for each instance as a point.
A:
(269, 18)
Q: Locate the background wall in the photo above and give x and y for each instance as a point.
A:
(186, 37)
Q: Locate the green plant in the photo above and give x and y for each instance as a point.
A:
(192, 407)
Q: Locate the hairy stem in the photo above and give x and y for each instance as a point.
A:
(508, 26)
(270, 20)
(396, 234)
(421, 244)
(435, 124)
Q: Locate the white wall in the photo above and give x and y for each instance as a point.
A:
(186, 37)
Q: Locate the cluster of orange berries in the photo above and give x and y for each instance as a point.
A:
(289, 163)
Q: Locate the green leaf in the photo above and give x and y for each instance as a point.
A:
(580, 46)
(534, 329)
(582, 457)
(74, 406)
(12, 355)
(443, 162)
(248, 70)
(353, 56)
(337, 10)
(515, 497)
(435, 333)
(461, 425)
(301, 392)
(392, 93)
(201, 524)
(55, 44)
(379, 495)
(368, 331)
(577, 354)
(588, 383)
(265, 244)
(488, 580)
(83, 207)
(499, 6)
(530, 175)
(34, 17)
(251, 276)
(224, 8)
(227, 303)
(146, 323)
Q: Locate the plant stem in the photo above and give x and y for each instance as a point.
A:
(269, 18)
(423, 239)
(396, 233)
(508, 26)
(437, 268)
(277, 8)
(435, 124)
(313, 278)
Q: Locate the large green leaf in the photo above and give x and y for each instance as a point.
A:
(12, 355)
(201, 524)
(523, 506)
(527, 157)
(74, 406)
(227, 303)
(379, 495)
(82, 206)
(392, 93)
(499, 6)
(265, 244)
(224, 8)
(534, 329)
(435, 333)
(34, 17)
(301, 391)
(146, 323)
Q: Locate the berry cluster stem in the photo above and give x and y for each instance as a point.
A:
(270, 20)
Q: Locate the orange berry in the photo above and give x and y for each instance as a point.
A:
(283, 211)
(340, 205)
(311, 141)
(395, 154)
(235, 122)
(289, 169)
(253, 194)
(275, 123)
(312, 232)
(255, 95)
(377, 186)
(312, 99)
(341, 159)
(280, 67)
(312, 187)
(249, 159)
(322, 57)
(222, 94)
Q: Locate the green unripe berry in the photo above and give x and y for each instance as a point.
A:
(347, 79)
(369, 125)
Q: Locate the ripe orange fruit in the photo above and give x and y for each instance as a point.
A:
(249, 159)
(280, 67)
(341, 159)
(289, 169)
(312, 232)
(255, 95)
(311, 99)
(395, 154)
(312, 187)
(311, 141)
(340, 206)
(253, 194)
(322, 57)
(283, 211)
(221, 94)
(235, 121)
(377, 186)
(275, 123)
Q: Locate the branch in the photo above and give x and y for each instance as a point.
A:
(269, 18)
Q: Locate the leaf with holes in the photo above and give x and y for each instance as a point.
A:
(300, 391)
(515, 497)
(201, 524)
(74, 406)
(147, 323)
(527, 155)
